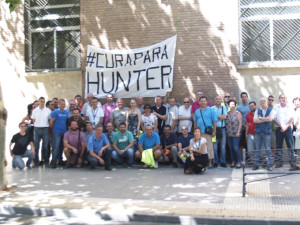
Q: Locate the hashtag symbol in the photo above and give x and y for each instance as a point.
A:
(90, 59)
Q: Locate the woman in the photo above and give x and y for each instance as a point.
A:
(133, 118)
(198, 150)
(148, 118)
(233, 130)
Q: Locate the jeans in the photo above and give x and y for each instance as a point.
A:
(263, 144)
(235, 152)
(251, 143)
(128, 154)
(58, 147)
(18, 160)
(41, 133)
(106, 156)
(223, 148)
(288, 137)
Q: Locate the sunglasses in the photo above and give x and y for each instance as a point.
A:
(186, 102)
(227, 96)
(271, 100)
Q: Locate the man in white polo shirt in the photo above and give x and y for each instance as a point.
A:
(41, 116)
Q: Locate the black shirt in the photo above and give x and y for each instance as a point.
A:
(170, 141)
(160, 123)
(21, 143)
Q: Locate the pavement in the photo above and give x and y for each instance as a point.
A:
(163, 195)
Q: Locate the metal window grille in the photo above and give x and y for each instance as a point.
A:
(269, 30)
(52, 35)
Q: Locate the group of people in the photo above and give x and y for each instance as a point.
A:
(189, 135)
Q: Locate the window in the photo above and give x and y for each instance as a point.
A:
(269, 30)
(52, 35)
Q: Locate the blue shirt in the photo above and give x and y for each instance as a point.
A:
(96, 144)
(244, 110)
(209, 117)
(218, 111)
(185, 141)
(149, 142)
(60, 123)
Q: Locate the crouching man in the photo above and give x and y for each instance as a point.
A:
(99, 151)
(149, 140)
(21, 141)
(74, 145)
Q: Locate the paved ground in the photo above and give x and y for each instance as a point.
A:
(125, 193)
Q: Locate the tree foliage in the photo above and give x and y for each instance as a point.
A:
(13, 4)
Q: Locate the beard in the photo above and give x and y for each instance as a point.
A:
(73, 129)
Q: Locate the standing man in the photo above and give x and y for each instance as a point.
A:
(76, 117)
(244, 109)
(250, 127)
(74, 146)
(95, 113)
(284, 117)
(168, 146)
(58, 123)
(206, 117)
(98, 150)
(196, 105)
(72, 105)
(89, 131)
(41, 117)
(172, 119)
(108, 107)
(221, 113)
(78, 101)
(160, 111)
(140, 104)
(185, 115)
(55, 102)
(263, 118)
(123, 143)
(226, 99)
(118, 115)
(273, 136)
(149, 140)
(21, 141)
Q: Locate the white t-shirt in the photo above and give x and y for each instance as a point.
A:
(185, 113)
(149, 120)
(41, 117)
(198, 145)
(94, 115)
(283, 114)
(172, 115)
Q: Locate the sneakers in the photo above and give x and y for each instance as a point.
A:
(215, 165)
(278, 166)
(210, 167)
(255, 167)
(175, 165)
(156, 165)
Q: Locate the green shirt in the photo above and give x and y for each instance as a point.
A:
(123, 140)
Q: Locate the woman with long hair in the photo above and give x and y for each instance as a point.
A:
(233, 130)
(133, 118)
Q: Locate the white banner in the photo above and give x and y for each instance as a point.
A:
(146, 72)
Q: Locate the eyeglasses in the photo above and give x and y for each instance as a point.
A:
(271, 100)
(227, 96)
(186, 102)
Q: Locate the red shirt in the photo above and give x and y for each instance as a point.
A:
(252, 125)
(196, 106)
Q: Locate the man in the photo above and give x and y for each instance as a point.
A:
(172, 119)
(161, 112)
(58, 122)
(206, 117)
(76, 117)
(21, 141)
(98, 150)
(55, 102)
(123, 143)
(140, 104)
(250, 127)
(168, 146)
(226, 99)
(184, 143)
(40, 117)
(95, 113)
(108, 107)
(196, 105)
(50, 105)
(244, 109)
(271, 101)
(284, 119)
(263, 118)
(185, 115)
(74, 146)
(72, 105)
(109, 134)
(88, 104)
(149, 140)
(273, 138)
(78, 101)
(221, 113)
(118, 115)
(89, 131)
